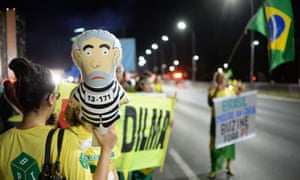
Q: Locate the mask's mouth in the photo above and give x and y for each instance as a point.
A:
(97, 77)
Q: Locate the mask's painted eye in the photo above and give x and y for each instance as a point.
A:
(88, 52)
(105, 51)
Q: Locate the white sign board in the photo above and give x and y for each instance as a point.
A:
(235, 118)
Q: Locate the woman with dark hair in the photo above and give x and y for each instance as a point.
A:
(22, 148)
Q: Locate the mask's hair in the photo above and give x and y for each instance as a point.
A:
(100, 34)
(34, 83)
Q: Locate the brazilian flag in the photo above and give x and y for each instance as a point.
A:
(274, 19)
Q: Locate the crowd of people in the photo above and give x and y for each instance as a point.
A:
(27, 116)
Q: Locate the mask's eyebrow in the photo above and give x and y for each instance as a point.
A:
(87, 46)
(104, 45)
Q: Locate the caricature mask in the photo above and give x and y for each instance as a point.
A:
(96, 54)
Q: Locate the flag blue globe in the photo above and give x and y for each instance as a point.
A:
(276, 26)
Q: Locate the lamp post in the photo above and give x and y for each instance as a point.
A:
(163, 65)
(155, 46)
(165, 38)
(253, 44)
(194, 56)
(181, 25)
(251, 48)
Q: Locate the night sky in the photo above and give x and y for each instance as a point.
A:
(217, 24)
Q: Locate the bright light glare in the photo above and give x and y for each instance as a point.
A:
(220, 70)
(164, 38)
(177, 75)
(225, 65)
(176, 62)
(56, 78)
(181, 25)
(148, 51)
(255, 43)
(141, 58)
(70, 78)
(154, 46)
(171, 68)
(79, 30)
(195, 57)
(142, 61)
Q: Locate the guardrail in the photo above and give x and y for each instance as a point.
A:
(291, 90)
(279, 89)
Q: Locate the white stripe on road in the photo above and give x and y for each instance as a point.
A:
(183, 165)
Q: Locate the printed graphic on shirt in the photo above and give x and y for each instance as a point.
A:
(93, 159)
(83, 161)
(25, 167)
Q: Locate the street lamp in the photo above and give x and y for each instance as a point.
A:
(253, 44)
(176, 62)
(163, 66)
(165, 38)
(148, 51)
(155, 46)
(251, 48)
(181, 25)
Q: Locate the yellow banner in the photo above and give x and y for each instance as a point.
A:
(143, 130)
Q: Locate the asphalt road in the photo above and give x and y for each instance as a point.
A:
(273, 154)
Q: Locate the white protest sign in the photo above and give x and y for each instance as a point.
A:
(235, 118)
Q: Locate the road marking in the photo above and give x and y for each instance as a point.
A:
(183, 165)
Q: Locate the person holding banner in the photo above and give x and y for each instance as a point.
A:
(220, 155)
(143, 85)
(97, 52)
(84, 132)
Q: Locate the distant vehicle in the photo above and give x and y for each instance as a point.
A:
(177, 76)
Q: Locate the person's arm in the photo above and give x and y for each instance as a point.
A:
(115, 172)
(210, 97)
(107, 141)
(209, 100)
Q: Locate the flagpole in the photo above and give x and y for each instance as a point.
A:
(251, 49)
(236, 46)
